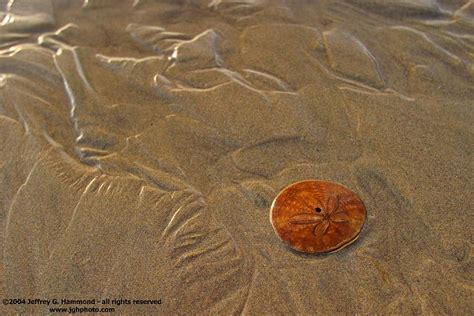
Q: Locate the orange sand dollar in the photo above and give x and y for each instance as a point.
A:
(315, 216)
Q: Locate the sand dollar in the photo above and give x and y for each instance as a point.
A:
(315, 216)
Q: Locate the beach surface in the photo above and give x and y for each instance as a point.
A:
(143, 142)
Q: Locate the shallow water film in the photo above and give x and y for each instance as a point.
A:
(143, 142)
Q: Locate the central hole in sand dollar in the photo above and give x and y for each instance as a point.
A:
(318, 210)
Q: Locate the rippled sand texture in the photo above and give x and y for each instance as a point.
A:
(142, 143)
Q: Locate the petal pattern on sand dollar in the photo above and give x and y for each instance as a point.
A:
(321, 229)
(304, 219)
(340, 217)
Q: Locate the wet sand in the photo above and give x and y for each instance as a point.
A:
(143, 142)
